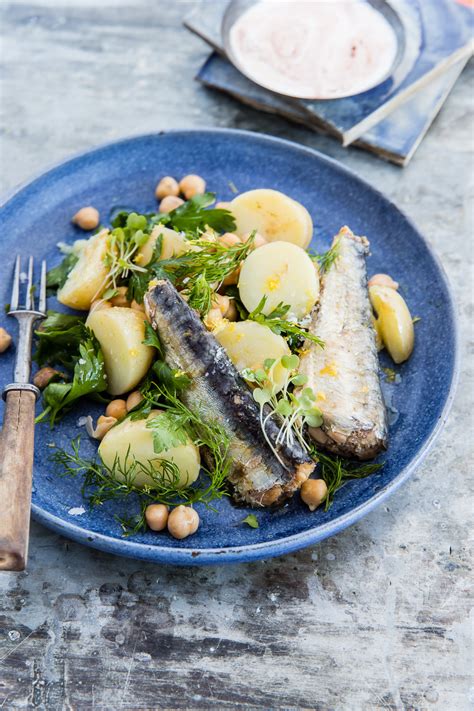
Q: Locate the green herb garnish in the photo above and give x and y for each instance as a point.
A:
(56, 277)
(89, 377)
(209, 434)
(278, 322)
(251, 520)
(193, 217)
(123, 246)
(161, 373)
(196, 273)
(101, 484)
(326, 259)
(336, 472)
(169, 429)
(59, 338)
(292, 409)
(167, 432)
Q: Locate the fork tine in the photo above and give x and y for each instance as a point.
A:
(30, 302)
(16, 285)
(42, 294)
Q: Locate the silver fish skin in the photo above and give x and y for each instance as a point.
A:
(219, 393)
(344, 374)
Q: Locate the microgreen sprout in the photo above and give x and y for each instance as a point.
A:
(122, 249)
(292, 404)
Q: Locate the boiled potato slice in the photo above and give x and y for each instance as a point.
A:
(394, 322)
(274, 215)
(131, 440)
(282, 272)
(173, 244)
(88, 277)
(120, 332)
(249, 344)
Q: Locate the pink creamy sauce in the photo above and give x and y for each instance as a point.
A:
(315, 49)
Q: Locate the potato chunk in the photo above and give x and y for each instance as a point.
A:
(120, 332)
(88, 277)
(282, 272)
(274, 215)
(132, 440)
(394, 322)
(173, 244)
(249, 344)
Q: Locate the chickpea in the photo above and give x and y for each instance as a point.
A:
(213, 319)
(104, 424)
(116, 408)
(133, 400)
(141, 309)
(44, 376)
(183, 521)
(229, 239)
(233, 278)
(313, 492)
(383, 280)
(209, 236)
(100, 304)
(220, 302)
(166, 187)
(137, 307)
(169, 203)
(87, 218)
(258, 240)
(192, 185)
(231, 314)
(5, 340)
(156, 516)
(121, 298)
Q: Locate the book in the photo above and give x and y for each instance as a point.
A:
(439, 36)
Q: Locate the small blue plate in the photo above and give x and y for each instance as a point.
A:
(123, 175)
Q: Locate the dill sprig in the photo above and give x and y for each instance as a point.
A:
(326, 259)
(278, 321)
(209, 434)
(101, 483)
(197, 273)
(336, 472)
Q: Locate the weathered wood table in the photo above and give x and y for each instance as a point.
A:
(376, 618)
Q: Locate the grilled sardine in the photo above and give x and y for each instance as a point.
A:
(219, 393)
(344, 375)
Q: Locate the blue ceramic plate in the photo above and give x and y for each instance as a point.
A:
(123, 175)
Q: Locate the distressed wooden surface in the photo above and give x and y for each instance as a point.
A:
(376, 618)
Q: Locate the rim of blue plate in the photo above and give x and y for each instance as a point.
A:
(288, 544)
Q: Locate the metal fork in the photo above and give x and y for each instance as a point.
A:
(17, 435)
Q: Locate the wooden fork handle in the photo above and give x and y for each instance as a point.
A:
(16, 467)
